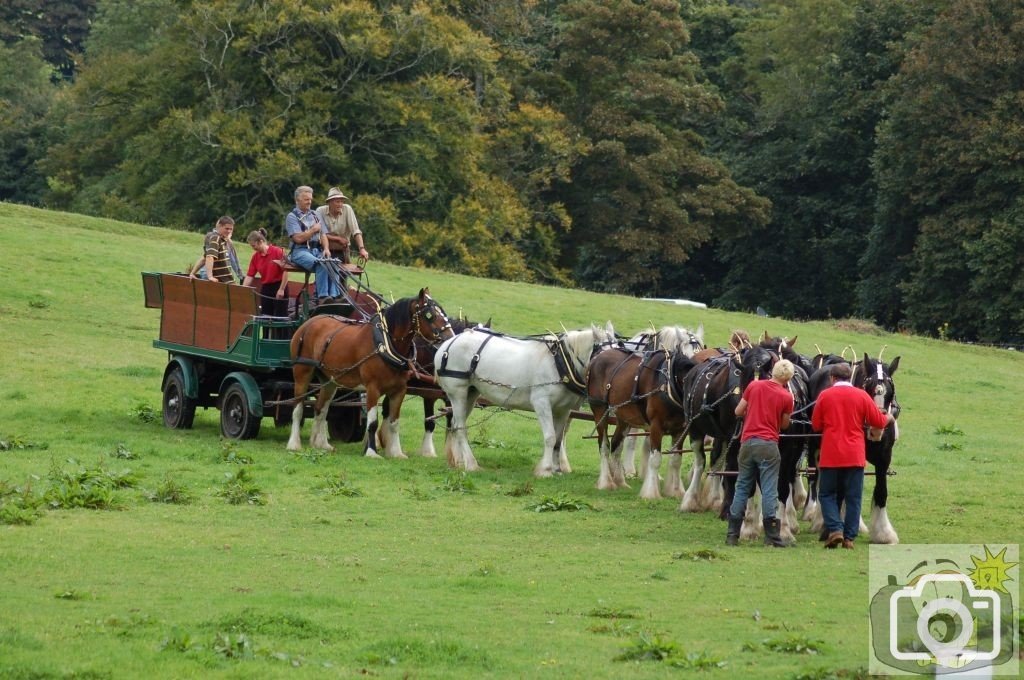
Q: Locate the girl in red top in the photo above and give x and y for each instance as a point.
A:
(273, 279)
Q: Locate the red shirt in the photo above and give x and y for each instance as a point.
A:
(767, 401)
(264, 265)
(840, 415)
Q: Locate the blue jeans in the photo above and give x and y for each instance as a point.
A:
(834, 486)
(309, 260)
(757, 456)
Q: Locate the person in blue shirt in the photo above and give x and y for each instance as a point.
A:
(309, 244)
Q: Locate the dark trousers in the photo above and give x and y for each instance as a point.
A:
(836, 485)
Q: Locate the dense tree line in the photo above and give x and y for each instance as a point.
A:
(818, 158)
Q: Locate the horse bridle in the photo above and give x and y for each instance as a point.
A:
(428, 311)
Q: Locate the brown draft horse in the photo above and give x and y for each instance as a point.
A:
(641, 390)
(373, 356)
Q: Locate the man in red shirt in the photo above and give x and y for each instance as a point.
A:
(765, 407)
(841, 414)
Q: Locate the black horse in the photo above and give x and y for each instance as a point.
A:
(875, 377)
(712, 390)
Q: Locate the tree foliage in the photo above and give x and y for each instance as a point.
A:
(814, 157)
(949, 176)
(60, 27)
(26, 95)
(646, 190)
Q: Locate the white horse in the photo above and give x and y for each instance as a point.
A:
(543, 374)
(674, 339)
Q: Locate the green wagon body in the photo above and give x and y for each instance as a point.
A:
(222, 353)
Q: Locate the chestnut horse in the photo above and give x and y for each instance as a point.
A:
(639, 390)
(373, 356)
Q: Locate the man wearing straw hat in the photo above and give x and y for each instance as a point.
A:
(342, 226)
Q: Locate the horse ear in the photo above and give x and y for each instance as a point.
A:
(893, 366)
(700, 332)
(792, 343)
(424, 292)
(609, 329)
(764, 337)
(868, 365)
(488, 324)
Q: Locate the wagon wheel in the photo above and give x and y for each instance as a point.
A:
(179, 408)
(237, 420)
(347, 424)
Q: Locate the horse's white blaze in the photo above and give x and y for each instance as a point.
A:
(881, 528)
(673, 487)
(295, 440)
(649, 490)
(518, 374)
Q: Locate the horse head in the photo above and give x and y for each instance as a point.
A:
(875, 377)
(429, 319)
(679, 339)
(754, 363)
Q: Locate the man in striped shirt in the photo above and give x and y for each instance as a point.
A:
(221, 260)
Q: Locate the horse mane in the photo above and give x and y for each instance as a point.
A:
(398, 312)
(581, 342)
(677, 337)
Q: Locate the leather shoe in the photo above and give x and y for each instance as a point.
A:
(848, 543)
(834, 539)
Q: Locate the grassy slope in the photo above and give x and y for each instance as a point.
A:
(409, 577)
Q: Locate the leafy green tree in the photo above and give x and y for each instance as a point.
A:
(60, 26)
(946, 248)
(230, 107)
(25, 97)
(646, 194)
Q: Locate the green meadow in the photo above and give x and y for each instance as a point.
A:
(130, 550)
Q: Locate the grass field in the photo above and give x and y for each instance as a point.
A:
(123, 556)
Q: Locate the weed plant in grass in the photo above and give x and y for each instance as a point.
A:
(424, 572)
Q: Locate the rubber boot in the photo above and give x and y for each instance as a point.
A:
(732, 537)
(772, 527)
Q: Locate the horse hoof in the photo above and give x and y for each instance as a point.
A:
(372, 454)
